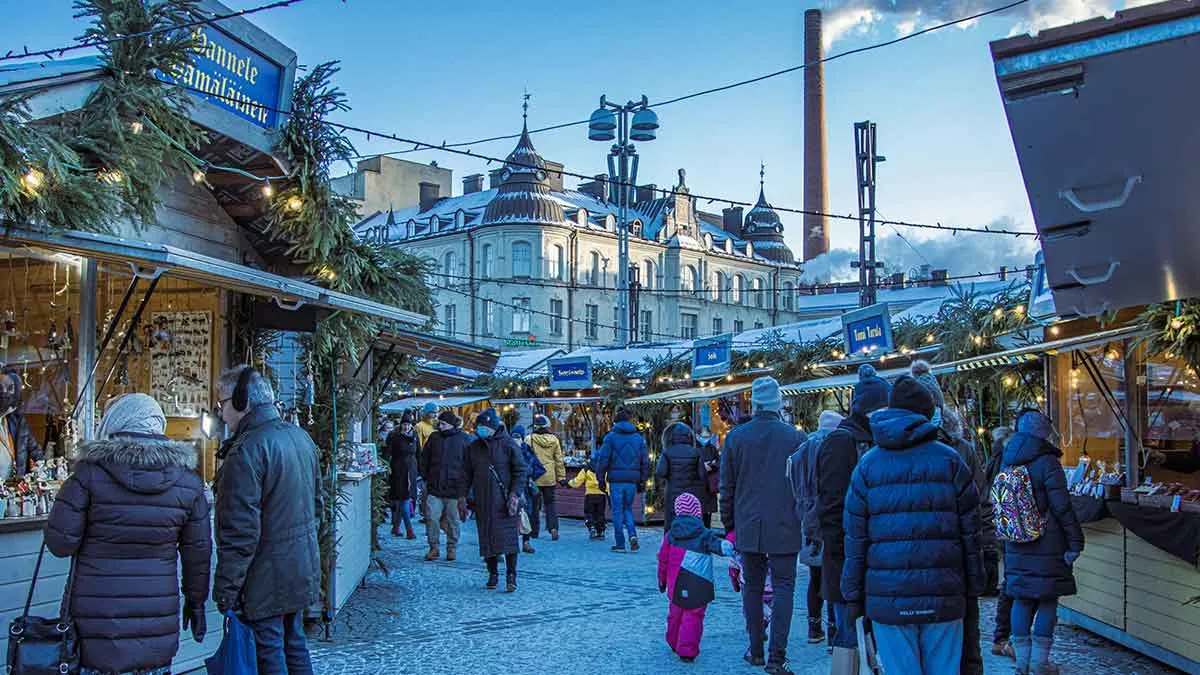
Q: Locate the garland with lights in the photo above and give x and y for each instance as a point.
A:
(98, 167)
(1174, 330)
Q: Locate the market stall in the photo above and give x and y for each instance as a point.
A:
(465, 404)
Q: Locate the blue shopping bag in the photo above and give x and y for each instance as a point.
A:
(236, 655)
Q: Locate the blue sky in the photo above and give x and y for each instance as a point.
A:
(456, 71)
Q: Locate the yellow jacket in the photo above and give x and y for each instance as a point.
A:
(587, 477)
(425, 429)
(549, 453)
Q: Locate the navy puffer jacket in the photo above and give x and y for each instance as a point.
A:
(1037, 570)
(130, 512)
(624, 456)
(681, 466)
(912, 526)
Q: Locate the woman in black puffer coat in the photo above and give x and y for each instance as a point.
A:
(402, 483)
(497, 473)
(681, 466)
(1038, 573)
(133, 507)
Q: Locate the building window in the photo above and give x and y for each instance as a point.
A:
(591, 315)
(616, 324)
(521, 316)
(739, 289)
(648, 274)
(556, 317)
(758, 324)
(488, 264)
(647, 325)
(722, 290)
(691, 279)
(450, 320)
(489, 318)
(718, 325)
(758, 293)
(449, 265)
(522, 259)
(594, 271)
(688, 324)
(789, 296)
(559, 269)
(739, 326)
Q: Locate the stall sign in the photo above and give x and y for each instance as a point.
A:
(712, 357)
(868, 330)
(571, 372)
(1041, 302)
(226, 73)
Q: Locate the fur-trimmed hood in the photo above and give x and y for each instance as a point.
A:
(141, 465)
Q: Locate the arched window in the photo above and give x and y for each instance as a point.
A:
(758, 293)
(559, 263)
(739, 289)
(789, 296)
(691, 279)
(721, 288)
(450, 268)
(594, 278)
(487, 257)
(522, 259)
(648, 274)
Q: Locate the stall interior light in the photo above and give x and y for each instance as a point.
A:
(208, 423)
(1054, 330)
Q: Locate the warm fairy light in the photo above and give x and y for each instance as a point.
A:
(111, 176)
(1177, 323)
(977, 339)
(1039, 398)
(136, 127)
(1019, 310)
(1009, 381)
(294, 203)
(268, 190)
(649, 509)
(999, 313)
(33, 179)
(1054, 330)
(981, 430)
(1113, 355)
(198, 176)
(929, 338)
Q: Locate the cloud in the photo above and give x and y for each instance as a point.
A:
(962, 254)
(846, 17)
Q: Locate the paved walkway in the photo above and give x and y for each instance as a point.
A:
(579, 609)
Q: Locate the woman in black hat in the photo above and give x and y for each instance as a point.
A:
(496, 471)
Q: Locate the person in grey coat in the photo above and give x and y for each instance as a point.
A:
(802, 474)
(268, 561)
(497, 473)
(757, 504)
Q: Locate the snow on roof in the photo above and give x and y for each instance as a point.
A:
(512, 364)
(901, 296)
(44, 70)
(802, 331)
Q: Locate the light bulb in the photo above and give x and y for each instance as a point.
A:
(136, 127)
(1019, 310)
(198, 176)
(999, 313)
(1054, 330)
(110, 176)
(929, 338)
(33, 179)
(1177, 323)
(268, 190)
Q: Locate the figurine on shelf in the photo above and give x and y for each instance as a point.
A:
(61, 472)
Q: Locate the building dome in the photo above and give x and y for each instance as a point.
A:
(763, 228)
(524, 193)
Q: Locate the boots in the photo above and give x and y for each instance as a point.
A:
(432, 555)
(633, 544)
(816, 630)
(493, 567)
(408, 532)
(451, 554)
(1039, 656)
(845, 661)
(527, 547)
(553, 535)
(395, 529)
(591, 531)
(510, 572)
(1023, 648)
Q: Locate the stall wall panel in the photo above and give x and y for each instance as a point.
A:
(1098, 574)
(18, 554)
(353, 536)
(1160, 586)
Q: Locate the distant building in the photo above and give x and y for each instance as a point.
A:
(381, 183)
(528, 262)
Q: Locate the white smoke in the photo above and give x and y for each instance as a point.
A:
(962, 254)
(857, 17)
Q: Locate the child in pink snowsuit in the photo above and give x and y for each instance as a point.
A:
(738, 578)
(685, 571)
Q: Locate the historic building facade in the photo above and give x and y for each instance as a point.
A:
(530, 263)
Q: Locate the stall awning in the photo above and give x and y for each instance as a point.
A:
(442, 349)
(438, 379)
(551, 401)
(691, 395)
(145, 257)
(440, 400)
(843, 382)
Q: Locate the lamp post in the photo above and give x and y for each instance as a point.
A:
(611, 121)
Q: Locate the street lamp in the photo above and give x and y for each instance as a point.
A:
(611, 122)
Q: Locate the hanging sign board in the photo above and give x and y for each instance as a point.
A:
(571, 372)
(868, 330)
(1041, 302)
(712, 357)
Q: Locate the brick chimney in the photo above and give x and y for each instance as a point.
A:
(429, 194)
(472, 183)
(646, 192)
(597, 188)
(939, 277)
(1003, 272)
(816, 189)
(898, 280)
(731, 220)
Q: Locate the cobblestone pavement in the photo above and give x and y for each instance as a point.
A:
(580, 609)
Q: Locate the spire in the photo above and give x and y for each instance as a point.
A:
(762, 183)
(525, 113)
(391, 221)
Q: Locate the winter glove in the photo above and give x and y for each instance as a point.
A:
(564, 483)
(194, 617)
(1070, 557)
(727, 548)
(514, 504)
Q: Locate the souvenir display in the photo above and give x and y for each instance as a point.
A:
(359, 459)
(1096, 479)
(180, 345)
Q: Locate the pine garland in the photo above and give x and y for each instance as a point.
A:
(102, 165)
(1174, 330)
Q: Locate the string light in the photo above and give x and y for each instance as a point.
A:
(136, 127)
(111, 176)
(268, 190)
(33, 179)
(198, 176)
(1054, 330)
(1176, 323)
(294, 203)
(999, 313)
(929, 338)
(1019, 310)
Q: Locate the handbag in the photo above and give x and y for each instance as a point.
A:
(38, 646)
(525, 527)
(236, 655)
(868, 655)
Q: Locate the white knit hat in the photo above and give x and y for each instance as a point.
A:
(136, 414)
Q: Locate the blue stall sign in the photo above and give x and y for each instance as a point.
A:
(571, 373)
(712, 357)
(226, 73)
(868, 330)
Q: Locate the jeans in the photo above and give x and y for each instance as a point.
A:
(844, 635)
(622, 495)
(549, 506)
(920, 649)
(535, 515)
(1004, 606)
(972, 656)
(401, 514)
(279, 641)
(1040, 615)
(442, 508)
(783, 581)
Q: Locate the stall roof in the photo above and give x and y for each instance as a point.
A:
(550, 401)
(453, 400)
(209, 270)
(690, 395)
(442, 349)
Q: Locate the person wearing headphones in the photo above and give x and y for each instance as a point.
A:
(267, 505)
